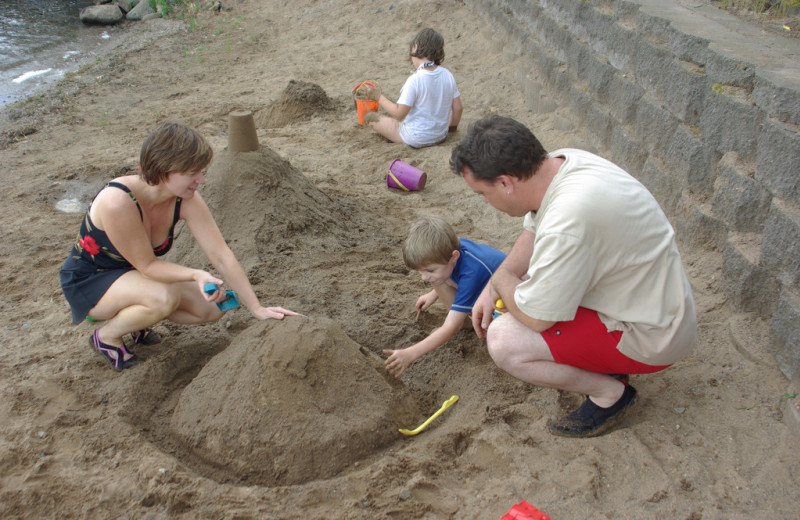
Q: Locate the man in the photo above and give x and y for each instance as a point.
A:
(593, 286)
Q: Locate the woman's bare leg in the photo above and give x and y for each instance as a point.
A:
(135, 302)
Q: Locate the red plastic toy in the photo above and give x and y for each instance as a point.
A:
(524, 511)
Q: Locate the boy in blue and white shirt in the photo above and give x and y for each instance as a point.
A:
(457, 268)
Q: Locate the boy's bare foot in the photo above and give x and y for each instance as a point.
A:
(371, 117)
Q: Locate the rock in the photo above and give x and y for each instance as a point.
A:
(141, 10)
(108, 14)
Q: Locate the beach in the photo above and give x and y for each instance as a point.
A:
(242, 419)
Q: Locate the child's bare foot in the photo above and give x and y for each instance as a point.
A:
(371, 117)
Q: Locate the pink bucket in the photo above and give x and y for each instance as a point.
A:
(405, 177)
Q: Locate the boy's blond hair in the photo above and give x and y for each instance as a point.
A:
(430, 240)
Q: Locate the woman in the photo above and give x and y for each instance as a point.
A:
(115, 272)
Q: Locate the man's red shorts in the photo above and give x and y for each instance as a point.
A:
(585, 343)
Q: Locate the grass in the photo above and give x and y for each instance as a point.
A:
(769, 7)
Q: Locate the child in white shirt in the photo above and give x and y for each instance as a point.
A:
(430, 103)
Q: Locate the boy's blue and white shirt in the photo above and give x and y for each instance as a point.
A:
(475, 266)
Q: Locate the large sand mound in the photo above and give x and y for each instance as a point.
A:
(293, 401)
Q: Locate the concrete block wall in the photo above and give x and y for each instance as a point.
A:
(714, 136)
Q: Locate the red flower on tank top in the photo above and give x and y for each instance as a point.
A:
(89, 245)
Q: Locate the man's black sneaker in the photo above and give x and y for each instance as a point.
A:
(590, 420)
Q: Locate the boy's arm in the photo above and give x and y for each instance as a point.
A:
(399, 360)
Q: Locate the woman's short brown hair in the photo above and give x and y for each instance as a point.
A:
(172, 147)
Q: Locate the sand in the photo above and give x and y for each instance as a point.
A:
(297, 419)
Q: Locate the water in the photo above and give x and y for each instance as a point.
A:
(40, 41)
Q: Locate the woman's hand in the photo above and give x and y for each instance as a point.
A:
(203, 278)
(274, 313)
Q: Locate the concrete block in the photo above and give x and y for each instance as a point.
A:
(696, 227)
(618, 45)
(726, 71)
(747, 284)
(561, 79)
(625, 10)
(654, 125)
(687, 47)
(657, 29)
(599, 127)
(555, 38)
(749, 335)
(623, 94)
(785, 334)
(626, 151)
(687, 156)
(505, 26)
(729, 122)
(778, 159)
(650, 62)
(564, 11)
(666, 187)
(780, 246)
(682, 90)
(579, 104)
(778, 96)
(523, 10)
(739, 200)
(591, 69)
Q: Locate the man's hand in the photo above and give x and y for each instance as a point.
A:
(482, 310)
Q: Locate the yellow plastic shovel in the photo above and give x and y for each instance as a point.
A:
(447, 404)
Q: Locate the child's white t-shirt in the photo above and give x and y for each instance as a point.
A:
(430, 94)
